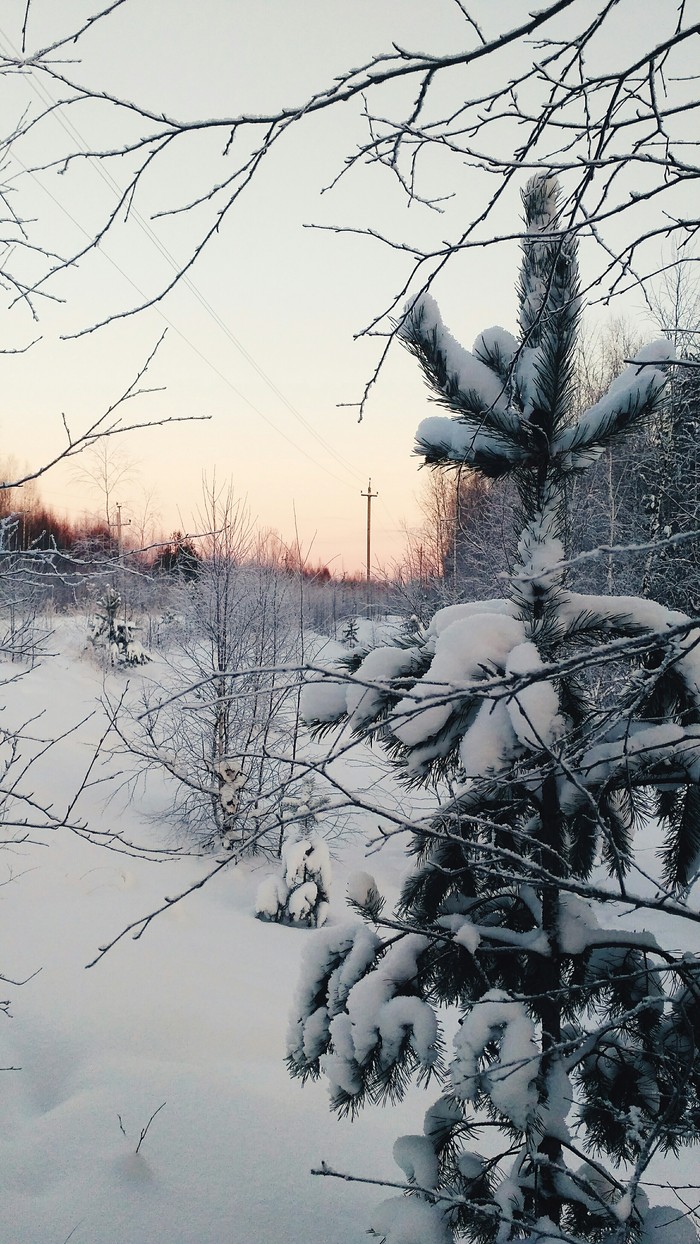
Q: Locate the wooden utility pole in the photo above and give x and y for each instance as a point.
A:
(119, 524)
(370, 497)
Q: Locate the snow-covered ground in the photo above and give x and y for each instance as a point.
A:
(191, 1018)
(193, 1015)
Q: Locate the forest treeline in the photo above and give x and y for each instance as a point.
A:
(631, 518)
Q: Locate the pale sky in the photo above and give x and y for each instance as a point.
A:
(261, 338)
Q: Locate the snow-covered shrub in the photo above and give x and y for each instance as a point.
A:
(116, 635)
(299, 894)
(577, 1055)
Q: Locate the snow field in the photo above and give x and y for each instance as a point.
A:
(194, 1015)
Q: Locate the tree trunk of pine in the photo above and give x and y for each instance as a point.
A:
(547, 1200)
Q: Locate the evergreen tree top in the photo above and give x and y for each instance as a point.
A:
(511, 400)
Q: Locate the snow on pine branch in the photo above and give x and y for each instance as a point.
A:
(441, 439)
(637, 615)
(482, 375)
(632, 396)
(334, 961)
(358, 1010)
(630, 753)
(495, 392)
(461, 653)
(425, 692)
(509, 1077)
(485, 430)
(477, 687)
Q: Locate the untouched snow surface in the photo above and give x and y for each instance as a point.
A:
(194, 1015)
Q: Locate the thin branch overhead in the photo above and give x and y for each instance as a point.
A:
(619, 137)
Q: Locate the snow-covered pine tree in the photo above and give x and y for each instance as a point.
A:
(299, 892)
(552, 725)
(117, 634)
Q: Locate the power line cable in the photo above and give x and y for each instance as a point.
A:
(185, 338)
(146, 228)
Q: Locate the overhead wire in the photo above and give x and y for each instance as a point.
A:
(183, 336)
(145, 227)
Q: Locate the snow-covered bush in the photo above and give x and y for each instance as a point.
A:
(299, 894)
(116, 635)
(577, 1057)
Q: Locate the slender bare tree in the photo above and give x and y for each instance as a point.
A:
(106, 469)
